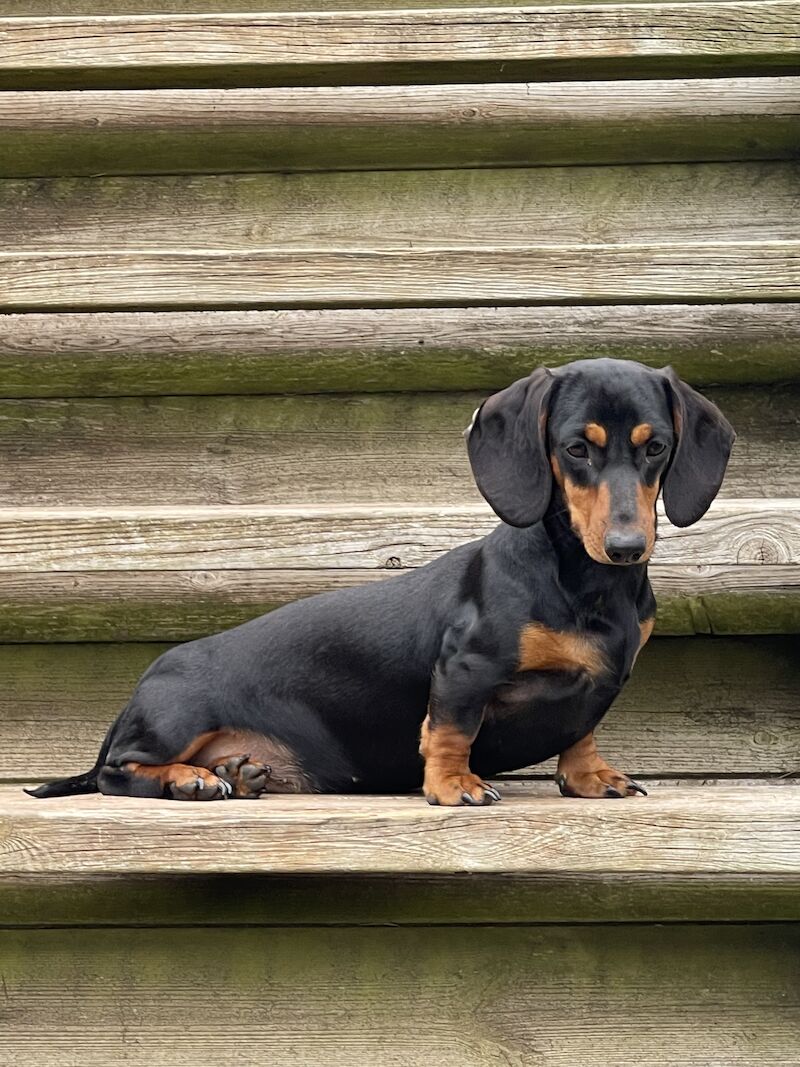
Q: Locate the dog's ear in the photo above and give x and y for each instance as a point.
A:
(507, 450)
(700, 456)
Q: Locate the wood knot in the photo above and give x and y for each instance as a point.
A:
(763, 548)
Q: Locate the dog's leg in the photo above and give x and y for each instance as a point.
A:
(467, 672)
(582, 772)
(175, 781)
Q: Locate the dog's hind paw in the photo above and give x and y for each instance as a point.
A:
(245, 778)
(196, 783)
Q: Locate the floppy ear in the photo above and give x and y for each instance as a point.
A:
(506, 446)
(704, 442)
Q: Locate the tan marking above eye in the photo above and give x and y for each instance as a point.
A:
(597, 434)
(641, 434)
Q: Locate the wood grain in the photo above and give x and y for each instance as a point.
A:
(752, 1014)
(306, 449)
(388, 350)
(735, 831)
(350, 47)
(159, 7)
(680, 994)
(591, 273)
(374, 127)
(673, 203)
(147, 605)
(696, 707)
(230, 900)
(163, 538)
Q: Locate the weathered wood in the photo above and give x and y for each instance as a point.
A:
(267, 900)
(733, 831)
(713, 706)
(159, 7)
(345, 48)
(572, 274)
(306, 449)
(142, 131)
(672, 203)
(147, 605)
(550, 996)
(389, 350)
(323, 536)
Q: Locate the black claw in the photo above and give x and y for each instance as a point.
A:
(492, 792)
(636, 788)
(612, 792)
(469, 799)
(431, 799)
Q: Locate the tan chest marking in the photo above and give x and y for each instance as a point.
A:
(645, 628)
(543, 649)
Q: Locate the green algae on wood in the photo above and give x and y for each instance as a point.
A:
(391, 350)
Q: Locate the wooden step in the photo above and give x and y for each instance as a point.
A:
(736, 831)
(65, 8)
(552, 995)
(733, 532)
(226, 901)
(514, 208)
(695, 708)
(585, 234)
(387, 350)
(621, 40)
(273, 277)
(168, 573)
(178, 604)
(307, 450)
(141, 131)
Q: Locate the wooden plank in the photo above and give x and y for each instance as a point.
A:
(324, 536)
(147, 605)
(151, 131)
(388, 350)
(305, 449)
(675, 203)
(591, 273)
(699, 706)
(734, 831)
(717, 994)
(346, 48)
(66, 8)
(268, 900)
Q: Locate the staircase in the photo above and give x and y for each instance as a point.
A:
(257, 268)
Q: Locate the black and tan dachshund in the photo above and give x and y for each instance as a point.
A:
(500, 654)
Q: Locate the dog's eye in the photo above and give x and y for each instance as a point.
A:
(578, 450)
(655, 448)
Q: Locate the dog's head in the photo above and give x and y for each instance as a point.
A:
(607, 435)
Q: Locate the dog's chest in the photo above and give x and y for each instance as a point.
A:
(572, 662)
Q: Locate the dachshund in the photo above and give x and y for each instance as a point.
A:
(502, 653)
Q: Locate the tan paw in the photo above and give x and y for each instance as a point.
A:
(196, 783)
(453, 790)
(599, 784)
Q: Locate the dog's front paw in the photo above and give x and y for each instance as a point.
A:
(454, 790)
(600, 784)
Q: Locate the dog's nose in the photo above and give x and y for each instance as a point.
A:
(625, 547)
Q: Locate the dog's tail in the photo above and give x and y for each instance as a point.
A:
(78, 783)
(68, 787)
